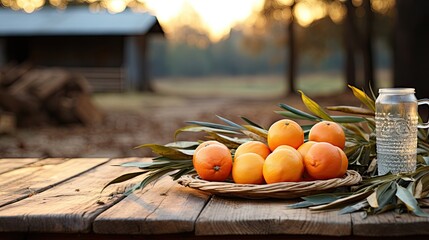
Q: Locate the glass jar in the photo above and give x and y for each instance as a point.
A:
(396, 119)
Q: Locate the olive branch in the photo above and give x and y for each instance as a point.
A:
(376, 194)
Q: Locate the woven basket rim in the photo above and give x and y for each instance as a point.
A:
(284, 190)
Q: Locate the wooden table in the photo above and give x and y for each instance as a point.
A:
(61, 199)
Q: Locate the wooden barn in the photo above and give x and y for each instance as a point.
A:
(110, 50)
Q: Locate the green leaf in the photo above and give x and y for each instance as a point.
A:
(213, 125)
(385, 194)
(421, 189)
(258, 131)
(357, 132)
(182, 172)
(231, 123)
(365, 99)
(152, 176)
(251, 122)
(143, 164)
(292, 115)
(410, 202)
(228, 141)
(354, 208)
(314, 107)
(351, 109)
(171, 153)
(300, 113)
(183, 144)
(345, 201)
(348, 119)
(123, 178)
(194, 128)
(372, 200)
(316, 200)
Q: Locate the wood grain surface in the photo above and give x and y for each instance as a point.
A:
(41, 175)
(61, 197)
(163, 208)
(8, 164)
(390, 224)
(223, 216)
(68, 207)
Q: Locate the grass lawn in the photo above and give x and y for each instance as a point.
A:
(172, 91)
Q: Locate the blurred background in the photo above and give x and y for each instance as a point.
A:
(95, 78)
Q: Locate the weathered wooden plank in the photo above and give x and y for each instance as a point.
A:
(41, 175)
(390, 224)
(68, 207)
(163, 208)
(223, 216)
(9, 164)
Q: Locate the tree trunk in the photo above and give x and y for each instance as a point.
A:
(292, 55)
(411, 50)
(367, 53)
(350, 35)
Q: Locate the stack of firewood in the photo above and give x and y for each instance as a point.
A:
(36, 96)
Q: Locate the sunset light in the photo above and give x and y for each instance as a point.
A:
(215, 17)
(212, 18)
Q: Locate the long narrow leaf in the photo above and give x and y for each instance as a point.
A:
(258, 131)
(213, 125)
(171, 153)
(291, 115)
(354, 207)
(314, 107)
(143, 164)
(182, 172)
(316, 200)
(343, 201)
(365, 99)
(348, 119)
(153, 176)
(194, 128)
(228, 141)
(350, 109)
(123, 178)
(229, 122)
(251, 122)
(410, 202)
(183, 144)
(299, 112)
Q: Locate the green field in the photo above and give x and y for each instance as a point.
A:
(172, 91)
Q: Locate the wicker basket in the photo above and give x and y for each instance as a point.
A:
(284, 190)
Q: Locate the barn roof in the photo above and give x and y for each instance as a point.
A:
(75, 21)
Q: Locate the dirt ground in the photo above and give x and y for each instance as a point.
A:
(153, 120)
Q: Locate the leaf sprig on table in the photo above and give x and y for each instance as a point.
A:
(375, 194)
(399, 192)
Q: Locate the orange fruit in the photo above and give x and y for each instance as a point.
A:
(207, 143)
(283, 165)
(323, 161)
(213, 162)
(303, 149)
(285, 132)
(344, 164)
(252, 147)
(247, 169)
(289, 148)
(327, 131)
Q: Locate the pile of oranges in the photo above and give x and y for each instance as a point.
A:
(285, 157)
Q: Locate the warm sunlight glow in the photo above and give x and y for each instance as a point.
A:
(306, 12)
(336, 12)
(382, 6)
(115, 6)
(215, 17)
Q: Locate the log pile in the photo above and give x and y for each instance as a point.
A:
(36, 96)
